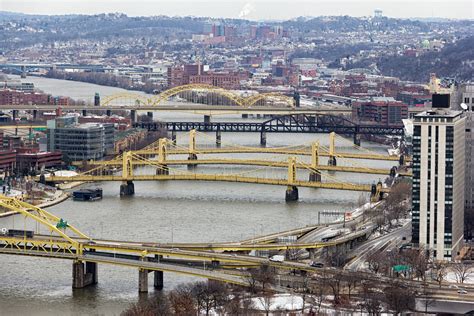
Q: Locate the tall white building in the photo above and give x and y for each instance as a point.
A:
(438, 182)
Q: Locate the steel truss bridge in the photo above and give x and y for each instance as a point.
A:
(322, 124)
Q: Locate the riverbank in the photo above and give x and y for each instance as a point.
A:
(59, 196)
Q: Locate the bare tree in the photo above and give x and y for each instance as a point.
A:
(182, 301)
(462, 271)
(440, 270)
(418, 260)
(371, 301)
(156, 305)
(376, 262)
(267, 300)
(209, 295)
(265, 276)
(399, 298)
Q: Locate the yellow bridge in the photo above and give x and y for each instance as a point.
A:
(54, 237)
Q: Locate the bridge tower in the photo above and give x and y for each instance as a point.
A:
(314, 175)
(291, 190)
(192, 148)
(127, 187)
(332, 149)
(162, 150)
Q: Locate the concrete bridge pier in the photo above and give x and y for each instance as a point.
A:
(291, 193)
(158, 281)
(357, 139)
(314, 176)
(108, 112)
(173, 137)
(163, 170)
(150, 115)
(312, 253)
(127, 188)
(263, 138)
(192, 156)
(133, 116)
(84, 274)
(207, 119)
(218, 138)
(332, 161)
(401, 161)
(393, 172)
(84, 112)
(142, 280)
(35, 114)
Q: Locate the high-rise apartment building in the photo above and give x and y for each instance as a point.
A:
(438, 182)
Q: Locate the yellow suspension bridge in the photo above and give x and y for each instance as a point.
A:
(108, 170)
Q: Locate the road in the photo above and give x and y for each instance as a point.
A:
(391, 239)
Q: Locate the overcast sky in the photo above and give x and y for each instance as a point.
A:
(249, 9)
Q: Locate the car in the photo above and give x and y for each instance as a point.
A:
(461, 291)
(316, 264)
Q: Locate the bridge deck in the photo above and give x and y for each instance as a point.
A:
(220, 178)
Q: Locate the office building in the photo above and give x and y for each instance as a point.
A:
(80, 141)
(464, 93)
(438, 182)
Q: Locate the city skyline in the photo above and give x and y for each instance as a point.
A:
(252, 10)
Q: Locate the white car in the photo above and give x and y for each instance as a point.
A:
(461, 291)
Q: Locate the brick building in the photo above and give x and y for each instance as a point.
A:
(381, 110)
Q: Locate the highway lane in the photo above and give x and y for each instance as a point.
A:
(362, 252)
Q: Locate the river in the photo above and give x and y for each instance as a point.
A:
(164, 212)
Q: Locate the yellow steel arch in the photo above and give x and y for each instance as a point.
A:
(252, 100)
(40, 216)
(137, 99)
(190, 87)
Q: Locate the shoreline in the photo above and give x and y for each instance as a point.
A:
(61, 198)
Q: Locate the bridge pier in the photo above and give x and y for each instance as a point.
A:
(108, 112)
(162, 170)
(357, 139)
(312, 253)
(291, 194)
(158, 281)
(393, 172)
(127, 188)
(218, 138)
(192, 156)
(401, 161)
(150, 115)
(14, 115)
(245, 116)
(263, 138)
(84, 275)
(35, 115)
(314, 176)
(133, 116)
(84, 112)
(332, 161)
(142, 280)
(173, 137)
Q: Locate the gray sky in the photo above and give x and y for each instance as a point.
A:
(250, 9)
